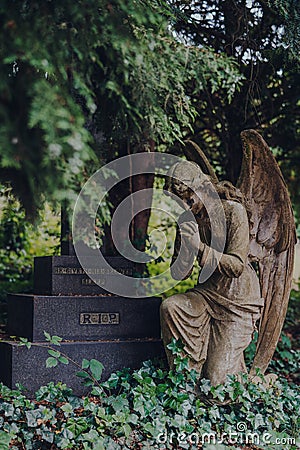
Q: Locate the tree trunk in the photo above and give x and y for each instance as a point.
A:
(141, 182)
(137, 233)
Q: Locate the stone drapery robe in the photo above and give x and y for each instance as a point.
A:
(215, 320)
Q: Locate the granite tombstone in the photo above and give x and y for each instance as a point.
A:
(118, 331)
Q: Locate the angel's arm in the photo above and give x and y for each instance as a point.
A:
(232, 261)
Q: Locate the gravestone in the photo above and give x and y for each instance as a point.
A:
(118, 331)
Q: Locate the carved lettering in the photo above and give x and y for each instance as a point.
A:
(104, 318)
(92, 271)
(90, 282)
(85, 318)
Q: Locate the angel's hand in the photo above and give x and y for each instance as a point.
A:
(189, 233)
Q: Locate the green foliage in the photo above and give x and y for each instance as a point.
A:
(263, 38)
(85, 77)
(286, 359)
(293, 312)
(14, 262)
(151, 408)
(289, 11)
(287, 356)
(20, 241)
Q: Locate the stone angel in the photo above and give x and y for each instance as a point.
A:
(251, 277)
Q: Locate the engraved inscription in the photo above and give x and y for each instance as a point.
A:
(90, 282)
(93, 318)
(92, 271)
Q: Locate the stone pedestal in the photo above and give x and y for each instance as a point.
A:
(27, 366)
(118, 331)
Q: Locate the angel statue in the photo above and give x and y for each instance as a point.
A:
(252, 278)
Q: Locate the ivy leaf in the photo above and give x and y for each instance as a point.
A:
(175, 346)
(77, 426)
(63, 360)
(259, 421)
(82, 374)
(51, 362)
(67, 408)
(54, 353)
(32, 417)
(126, 428)
(47, 336)
(85, 363)
(8, 409)
(55, 340)
(25, 342)
(5, 439)
(97, 391)
(96, 369)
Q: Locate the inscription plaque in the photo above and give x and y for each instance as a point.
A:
(63, 275)
(94, 318)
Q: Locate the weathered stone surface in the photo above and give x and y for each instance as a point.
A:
(20, 365)
(231, 228)
(63, 275)
(83, 317)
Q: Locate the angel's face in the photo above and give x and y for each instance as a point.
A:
(194, 203)
(188, 199)
(191, 190)
(195, 200)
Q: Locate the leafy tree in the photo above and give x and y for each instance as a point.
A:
(79, 77)
(20, 241)
(82, 83)
(263, 38)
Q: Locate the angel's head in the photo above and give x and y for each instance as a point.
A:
(188, 183)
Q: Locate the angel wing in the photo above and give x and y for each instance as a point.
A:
(272, 239)
(194, 153)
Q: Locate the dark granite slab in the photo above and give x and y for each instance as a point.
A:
(63, 275)
(83, 317)
(27, 366)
